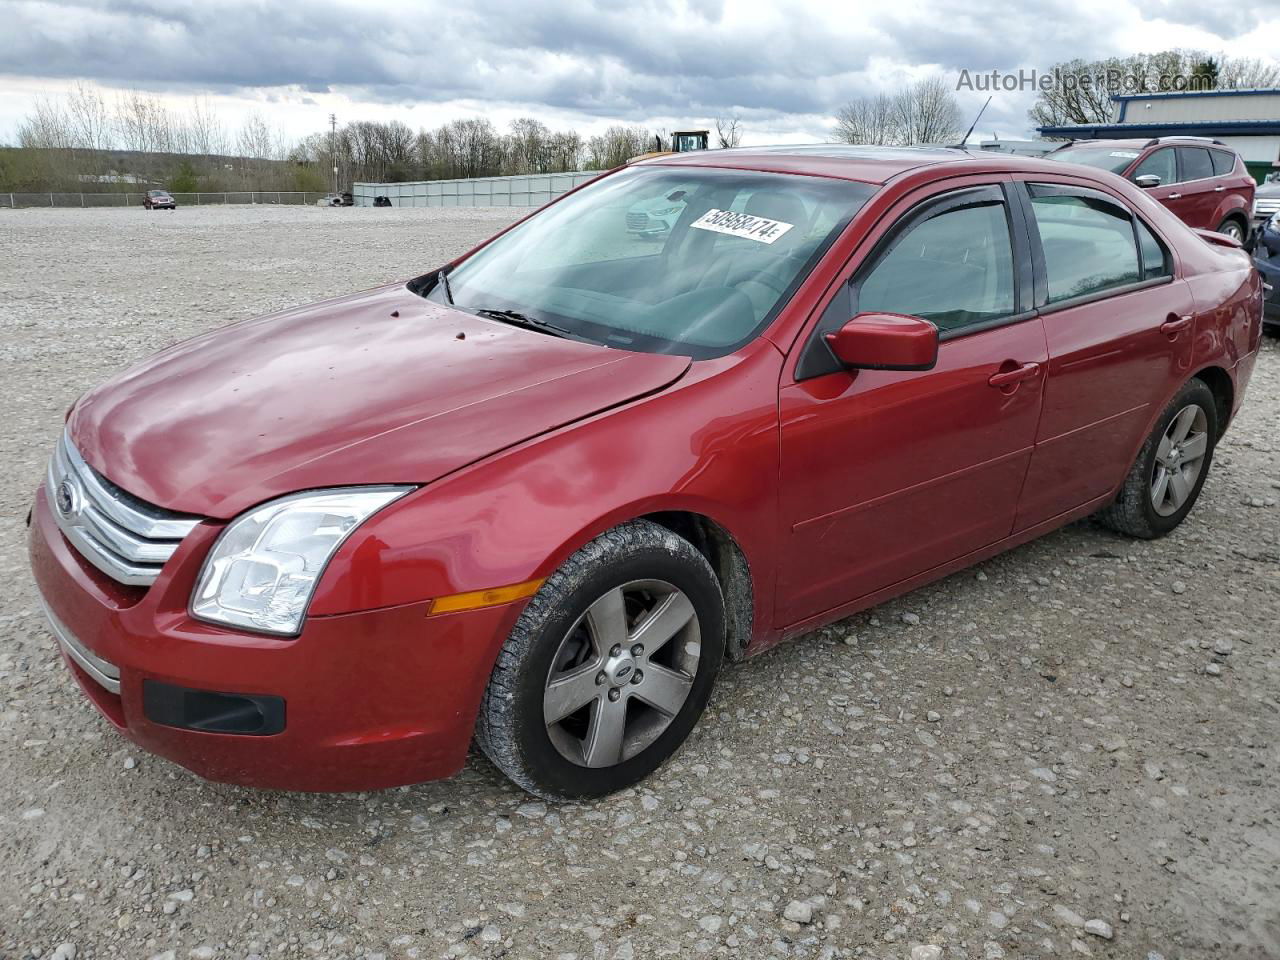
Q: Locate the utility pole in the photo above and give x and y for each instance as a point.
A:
(333, 148)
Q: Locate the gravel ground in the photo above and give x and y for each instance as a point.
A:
(1071, 748)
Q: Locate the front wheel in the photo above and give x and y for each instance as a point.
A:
(1164, 482)
(608, 668)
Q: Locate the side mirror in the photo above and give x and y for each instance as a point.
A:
(886, 341)
(1147, 181)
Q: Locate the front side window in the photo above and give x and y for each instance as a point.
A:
(725, 251)
(955, 269)
(1162, 164)
(1088, 243)
(1195, 163)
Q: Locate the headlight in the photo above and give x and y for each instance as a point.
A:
(264, 568)
(668, 211)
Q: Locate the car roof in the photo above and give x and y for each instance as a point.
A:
(866, 164)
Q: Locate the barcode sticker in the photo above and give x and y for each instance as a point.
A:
(760, 229)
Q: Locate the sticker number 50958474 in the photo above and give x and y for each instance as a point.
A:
(760, 229)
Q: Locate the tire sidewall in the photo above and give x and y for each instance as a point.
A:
(556, 776)
(1197, 392)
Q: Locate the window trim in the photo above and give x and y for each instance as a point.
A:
(1043, 306)
(816, 359)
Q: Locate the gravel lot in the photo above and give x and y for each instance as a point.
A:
(1070, 748)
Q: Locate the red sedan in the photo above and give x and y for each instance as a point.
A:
(536, 497)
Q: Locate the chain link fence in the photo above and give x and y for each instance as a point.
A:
(72, 200)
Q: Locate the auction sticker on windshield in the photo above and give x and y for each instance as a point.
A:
(760, 229)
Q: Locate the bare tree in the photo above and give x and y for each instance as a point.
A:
(617, 145)
(47, 127)
(528, 146)
(728, 131)
(927, 112)
(922, 112)
(91, 123)
(867, 119)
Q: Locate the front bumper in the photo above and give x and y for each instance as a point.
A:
(374, 699)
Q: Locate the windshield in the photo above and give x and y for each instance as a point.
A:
(157, 193)
(1114, 159)
(659, 259)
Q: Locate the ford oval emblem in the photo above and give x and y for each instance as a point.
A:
(64, 498)
(622, 672)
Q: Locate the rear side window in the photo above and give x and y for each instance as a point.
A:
(1155, 258)
(1088, 243)
(1223, 162)
(1161, 164)
(1195, 163)
(955, 269)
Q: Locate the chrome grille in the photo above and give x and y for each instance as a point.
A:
(1266, 206)
(637, 221)
(122, 536)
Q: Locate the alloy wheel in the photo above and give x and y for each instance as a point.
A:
(1232, 229)
(1179, 460)
(622, 673)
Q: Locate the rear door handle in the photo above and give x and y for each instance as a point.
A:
(1219, 189)
(1174, 196)
(1009, 378)
(1175, 325)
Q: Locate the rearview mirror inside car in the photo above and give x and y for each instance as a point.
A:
(1147, 181)
(886, 341)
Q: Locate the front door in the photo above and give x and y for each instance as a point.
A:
(885, 474)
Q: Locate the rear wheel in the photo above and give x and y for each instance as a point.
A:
(608, 668)
(1165, 480)
(1233, 228)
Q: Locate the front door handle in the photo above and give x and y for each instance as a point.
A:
(1175, 325)
(1174, 196)
(1219, 189)
(1010, 378)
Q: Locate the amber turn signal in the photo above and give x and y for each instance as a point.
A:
(485, 598)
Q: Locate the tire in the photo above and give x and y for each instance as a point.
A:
(1146, 509)
(1231, 227)
(559, 643)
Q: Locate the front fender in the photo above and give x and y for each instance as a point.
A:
(707, 445)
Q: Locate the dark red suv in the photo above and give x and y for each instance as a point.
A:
(1203, 181)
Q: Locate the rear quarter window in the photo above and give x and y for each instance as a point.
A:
(1223, 162)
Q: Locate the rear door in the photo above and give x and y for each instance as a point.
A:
(886, 474)
(1197, 194)
(1119, 329)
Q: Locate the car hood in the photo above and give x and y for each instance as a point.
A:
(378, 387)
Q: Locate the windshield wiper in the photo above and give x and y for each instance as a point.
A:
(518, 319)
(442, 281)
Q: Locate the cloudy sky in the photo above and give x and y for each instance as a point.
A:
(783, 67)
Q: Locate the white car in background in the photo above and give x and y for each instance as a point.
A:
(1266, 200)
(655, 218)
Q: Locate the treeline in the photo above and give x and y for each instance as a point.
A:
(83, 141)
(387, 152)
